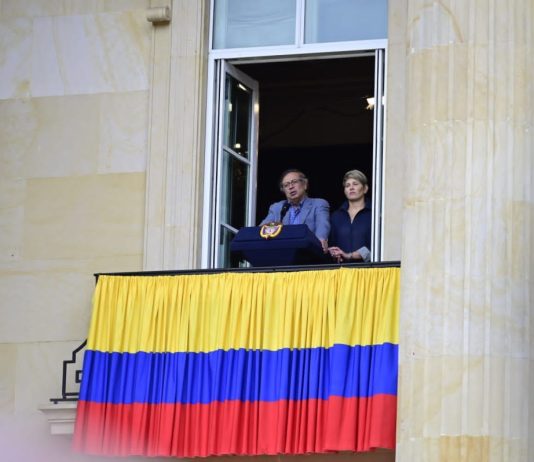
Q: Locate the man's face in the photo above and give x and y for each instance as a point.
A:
(294, 187)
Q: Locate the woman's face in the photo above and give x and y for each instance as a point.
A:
(354, 190)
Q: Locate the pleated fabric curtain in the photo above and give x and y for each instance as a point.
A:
(241, 363)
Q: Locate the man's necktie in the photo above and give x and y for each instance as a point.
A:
(294, 216)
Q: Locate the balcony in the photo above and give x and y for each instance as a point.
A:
(352, 300)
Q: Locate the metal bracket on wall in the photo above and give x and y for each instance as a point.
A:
(77, 373)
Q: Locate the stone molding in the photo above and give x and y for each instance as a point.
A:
(60, 416)
(159, 15)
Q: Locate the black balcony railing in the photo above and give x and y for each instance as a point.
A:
(261, 269)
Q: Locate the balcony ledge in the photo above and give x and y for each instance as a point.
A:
(60, 416)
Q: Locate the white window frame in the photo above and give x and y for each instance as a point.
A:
(226, 68)
(297, 51)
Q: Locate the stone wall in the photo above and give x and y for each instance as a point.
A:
(74, 81)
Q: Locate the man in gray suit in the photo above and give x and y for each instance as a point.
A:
(298, 208)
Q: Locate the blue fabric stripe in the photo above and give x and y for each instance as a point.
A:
(247, 375)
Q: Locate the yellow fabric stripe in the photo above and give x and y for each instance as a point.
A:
(201, 313)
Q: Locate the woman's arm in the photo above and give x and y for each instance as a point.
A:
(340, 255)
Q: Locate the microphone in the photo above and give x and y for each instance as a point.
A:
(284, 210)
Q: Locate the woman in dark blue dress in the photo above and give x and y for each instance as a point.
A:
(350, 234)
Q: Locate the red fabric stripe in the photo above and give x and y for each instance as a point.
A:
(236, 427)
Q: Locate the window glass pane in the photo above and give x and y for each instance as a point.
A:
(237, 117)
(226, 259)
(234, 191)
(345, 20)
(246, 23)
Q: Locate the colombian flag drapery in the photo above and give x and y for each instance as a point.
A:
(241, 363)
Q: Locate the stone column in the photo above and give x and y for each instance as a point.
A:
(176, 148)
(466, 387)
